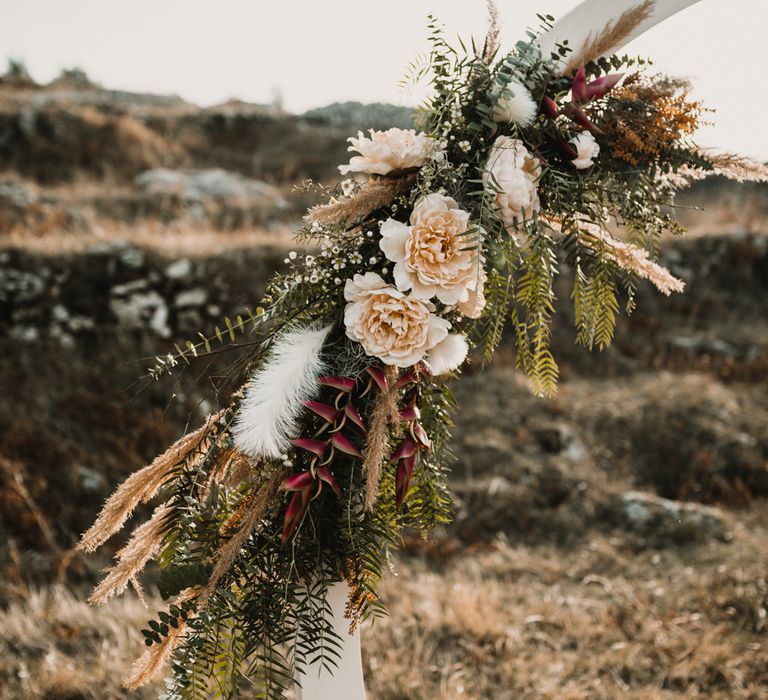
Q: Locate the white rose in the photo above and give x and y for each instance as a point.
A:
(587, 149)
(396, 328)
(385, 151)
(512, 174)
(519, 109)
(434, 256)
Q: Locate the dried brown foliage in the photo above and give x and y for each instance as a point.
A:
(647, 116)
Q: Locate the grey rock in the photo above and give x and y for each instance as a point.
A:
(675, 521)
(214, 184)
(179, 269)
(191, 297)
(20, 285)
(142, 310)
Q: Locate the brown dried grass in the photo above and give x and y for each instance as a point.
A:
(610, 36)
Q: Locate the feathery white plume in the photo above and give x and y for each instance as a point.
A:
(273, 402)
(448, 354)
(519, 109)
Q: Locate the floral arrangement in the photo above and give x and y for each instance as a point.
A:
(438, 242)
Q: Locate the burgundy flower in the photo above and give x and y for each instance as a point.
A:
(325, 475)
(297, 506)
(579, 85)
(305, 486)
(379, 377)
(410, 412)
(403, 478)
(328, 413)
(345, 384)
(549, 107)
(407, 448)
(316, 447)
(342, 443)
(603, 85)
(354, 417)
(420, 435)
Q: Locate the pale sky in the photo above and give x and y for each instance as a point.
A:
(317, 52)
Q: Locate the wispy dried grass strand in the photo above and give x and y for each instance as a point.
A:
(633, 259)
(372, 196)
(152, 663)
(133, 557)
(736, 167)
(610, 36)
(377, 445)
(140, 487)
(492, 37)
(245, 518)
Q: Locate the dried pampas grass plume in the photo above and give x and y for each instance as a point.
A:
(141, 486)
(735, 167)
(133, 557)
(372, 196)
(377, 444)
(152, 663)
(632, 259)
(628, 257)
(492, 37)
(610, 37)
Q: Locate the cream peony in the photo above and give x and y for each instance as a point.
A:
(473, 306)
(396, 328)
(519, 109)
(448, 354)
(587, 149)
(431, 255)
(512, 173)
(385, 151)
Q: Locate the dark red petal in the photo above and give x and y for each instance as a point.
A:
(340, 383)
(354, 417)
(420, 435)
(316, 447)
(378, 376)
(403, 479)
(297, 506)
(602, 86)
(342, 443)
(410, 413)
(411, 377)
(580, 117)
(324, 474)
(568, 148)
(326, 412)
(579, 86)
(297, 482)
(407, 448)
(549, 107)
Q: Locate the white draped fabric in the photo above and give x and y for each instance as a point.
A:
(587, 19)
(346, 683)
